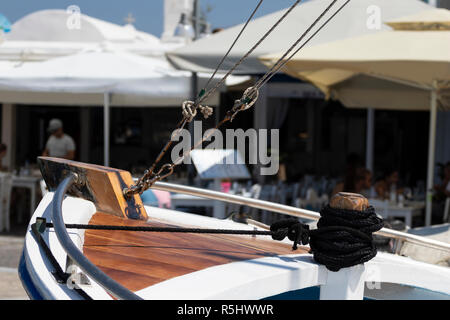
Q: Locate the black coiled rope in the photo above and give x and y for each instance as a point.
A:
(343, 238)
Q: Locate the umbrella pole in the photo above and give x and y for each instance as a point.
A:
(194, 91)
(106, 127)
(431, 152)
(370, 138)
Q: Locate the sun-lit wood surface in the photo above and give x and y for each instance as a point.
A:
(140, 259)
(101, 185)
(349, 201)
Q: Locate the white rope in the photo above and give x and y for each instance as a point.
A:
(189, 110)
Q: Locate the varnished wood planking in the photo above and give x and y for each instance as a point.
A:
(140, 259)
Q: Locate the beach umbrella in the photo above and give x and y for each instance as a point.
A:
(101, 77)
(358, 18)
(366, 71)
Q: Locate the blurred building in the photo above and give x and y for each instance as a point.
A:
(137, 133)
(440, 3)
(316, 136)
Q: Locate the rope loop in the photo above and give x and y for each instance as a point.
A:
(168, 167)
(189, 110)
(206, 111)
(249, 98)
(291, 228)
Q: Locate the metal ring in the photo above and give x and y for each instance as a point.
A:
(247, 92)
(167, 165)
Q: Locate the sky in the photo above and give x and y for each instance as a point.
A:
(147, 13)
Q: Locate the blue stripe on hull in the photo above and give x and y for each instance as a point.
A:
(27, 283)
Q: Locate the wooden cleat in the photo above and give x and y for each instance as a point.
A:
(101, 185)
(349, 201)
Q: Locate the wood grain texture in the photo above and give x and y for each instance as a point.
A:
(101, 185)
(349, 201)
(141, 259)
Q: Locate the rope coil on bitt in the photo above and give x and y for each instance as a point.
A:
(343, 237)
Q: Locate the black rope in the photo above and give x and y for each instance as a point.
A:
(343, 238)
(164, 229)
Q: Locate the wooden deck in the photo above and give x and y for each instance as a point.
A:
(141, 259)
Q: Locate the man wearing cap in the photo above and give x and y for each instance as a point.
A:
(59, 145)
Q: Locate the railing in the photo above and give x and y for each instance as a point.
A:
(119, 291)
(291, 211)
(75, 254)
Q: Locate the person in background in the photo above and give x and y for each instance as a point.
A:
(388, 183)
(59, 144)
(3, 150)
(348, 184)
(443, 189)
(363, 181)
(447, 174)
(360, 181)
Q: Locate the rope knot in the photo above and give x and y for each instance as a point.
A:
(189, 110)
(291, 228)
(206, 111)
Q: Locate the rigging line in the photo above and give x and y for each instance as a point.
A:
(205, 138)
(175, 163)
(282, 62)
(201, 98)
(232, 45)
(260, 81)
(228, 116)
(209, 92)
(148, 173)
(268, 74)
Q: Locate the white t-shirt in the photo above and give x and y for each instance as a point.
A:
(58, 147)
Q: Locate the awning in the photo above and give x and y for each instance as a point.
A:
(205, 54)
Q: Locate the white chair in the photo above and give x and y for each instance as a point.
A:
(311, 201)
(265, 193)
(446, 210)
(5, 200)
(255, 192)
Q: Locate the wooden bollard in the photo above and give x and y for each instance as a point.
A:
(347, 283)
(349, 201)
